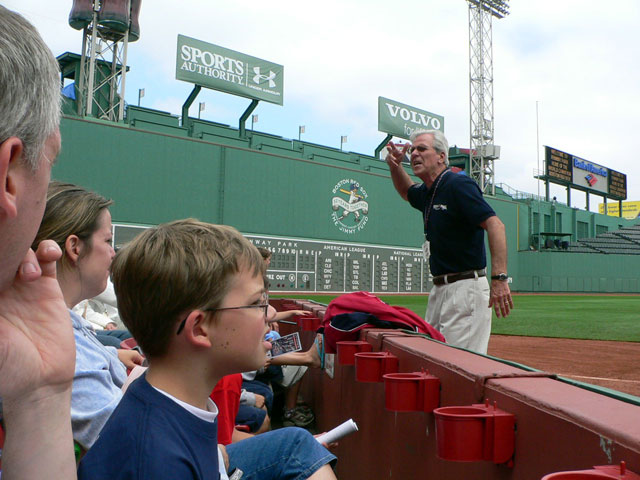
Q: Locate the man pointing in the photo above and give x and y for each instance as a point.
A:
(455, 217)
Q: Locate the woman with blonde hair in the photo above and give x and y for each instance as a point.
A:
(80, 223)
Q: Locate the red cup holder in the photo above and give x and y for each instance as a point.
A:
(604, 472)
(347, 350)
(474, 433)
(309, 324)
(411, 392)
(462, 411)
(583, 475)
(371, 366)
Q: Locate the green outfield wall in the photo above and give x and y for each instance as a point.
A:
(157, 170)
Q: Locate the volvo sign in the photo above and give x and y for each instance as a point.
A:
(401, 120)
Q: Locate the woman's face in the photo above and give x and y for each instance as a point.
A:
(95, 260)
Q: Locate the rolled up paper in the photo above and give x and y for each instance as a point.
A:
(337, 433)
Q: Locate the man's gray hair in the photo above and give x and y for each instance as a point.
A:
(29, 86)
(440, 143)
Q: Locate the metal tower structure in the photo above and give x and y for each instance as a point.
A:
(483, 151)
(108, 26)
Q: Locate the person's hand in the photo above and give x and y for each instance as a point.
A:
(395, 156)
(285, 314)
(130, 358)
(111, 326)
(274, 326)
(260, 401)
(500, 298)
(225, 455)
(37, 347)
(327, 445)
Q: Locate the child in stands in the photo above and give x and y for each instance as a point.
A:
(192, 294)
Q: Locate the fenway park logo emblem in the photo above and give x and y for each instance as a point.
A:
(350, 206)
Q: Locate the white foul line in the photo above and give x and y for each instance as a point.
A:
(598, 378)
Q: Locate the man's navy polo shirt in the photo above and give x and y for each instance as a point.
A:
(454, 233)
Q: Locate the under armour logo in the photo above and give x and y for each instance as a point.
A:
(258, 77)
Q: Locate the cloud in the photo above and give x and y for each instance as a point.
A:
(576, 58)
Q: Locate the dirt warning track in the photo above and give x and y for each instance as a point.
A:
(608, 364)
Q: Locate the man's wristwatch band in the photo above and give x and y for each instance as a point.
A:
(500, 276)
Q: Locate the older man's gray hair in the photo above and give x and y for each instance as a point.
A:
(29, 86)
(440, 143)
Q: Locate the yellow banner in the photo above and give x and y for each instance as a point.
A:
(630, 210)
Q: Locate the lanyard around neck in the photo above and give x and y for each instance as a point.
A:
(427, 212)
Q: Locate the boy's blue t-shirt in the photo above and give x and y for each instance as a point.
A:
(149, 436)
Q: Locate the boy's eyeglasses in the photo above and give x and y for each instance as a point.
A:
(264, 306)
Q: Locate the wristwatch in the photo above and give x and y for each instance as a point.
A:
(500, 276)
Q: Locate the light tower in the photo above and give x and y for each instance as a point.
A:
(108, 26)
(483, 151)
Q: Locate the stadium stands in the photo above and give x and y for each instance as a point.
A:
(625, 241)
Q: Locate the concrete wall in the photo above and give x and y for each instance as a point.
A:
(558, 426)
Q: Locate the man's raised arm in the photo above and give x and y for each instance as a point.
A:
(401, 179)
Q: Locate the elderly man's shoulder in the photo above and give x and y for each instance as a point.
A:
(461, 180)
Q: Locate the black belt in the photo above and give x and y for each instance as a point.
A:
(454, 277)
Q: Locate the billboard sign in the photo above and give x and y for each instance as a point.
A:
(566, 169)
(630, 210)
(558, 166)
(228, 71)
(589, 175)
(617, 185)
(401, 120)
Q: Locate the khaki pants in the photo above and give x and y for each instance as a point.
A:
(460, 311)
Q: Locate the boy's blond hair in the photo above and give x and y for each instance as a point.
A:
(173, 268)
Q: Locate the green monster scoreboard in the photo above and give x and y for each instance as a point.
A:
(330, 267)
(318, 266)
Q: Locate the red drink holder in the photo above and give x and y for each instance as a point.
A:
(309, 324)
(347, 350)
(475, 433)
(604, 472)
(411, 392)
(371, 366)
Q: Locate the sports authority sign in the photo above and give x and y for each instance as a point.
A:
(228, 71)
(401, 120)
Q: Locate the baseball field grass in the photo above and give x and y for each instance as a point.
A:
(591, 317)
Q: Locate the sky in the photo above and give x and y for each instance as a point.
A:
(566, 72)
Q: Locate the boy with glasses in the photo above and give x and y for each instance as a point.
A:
(192, 294)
